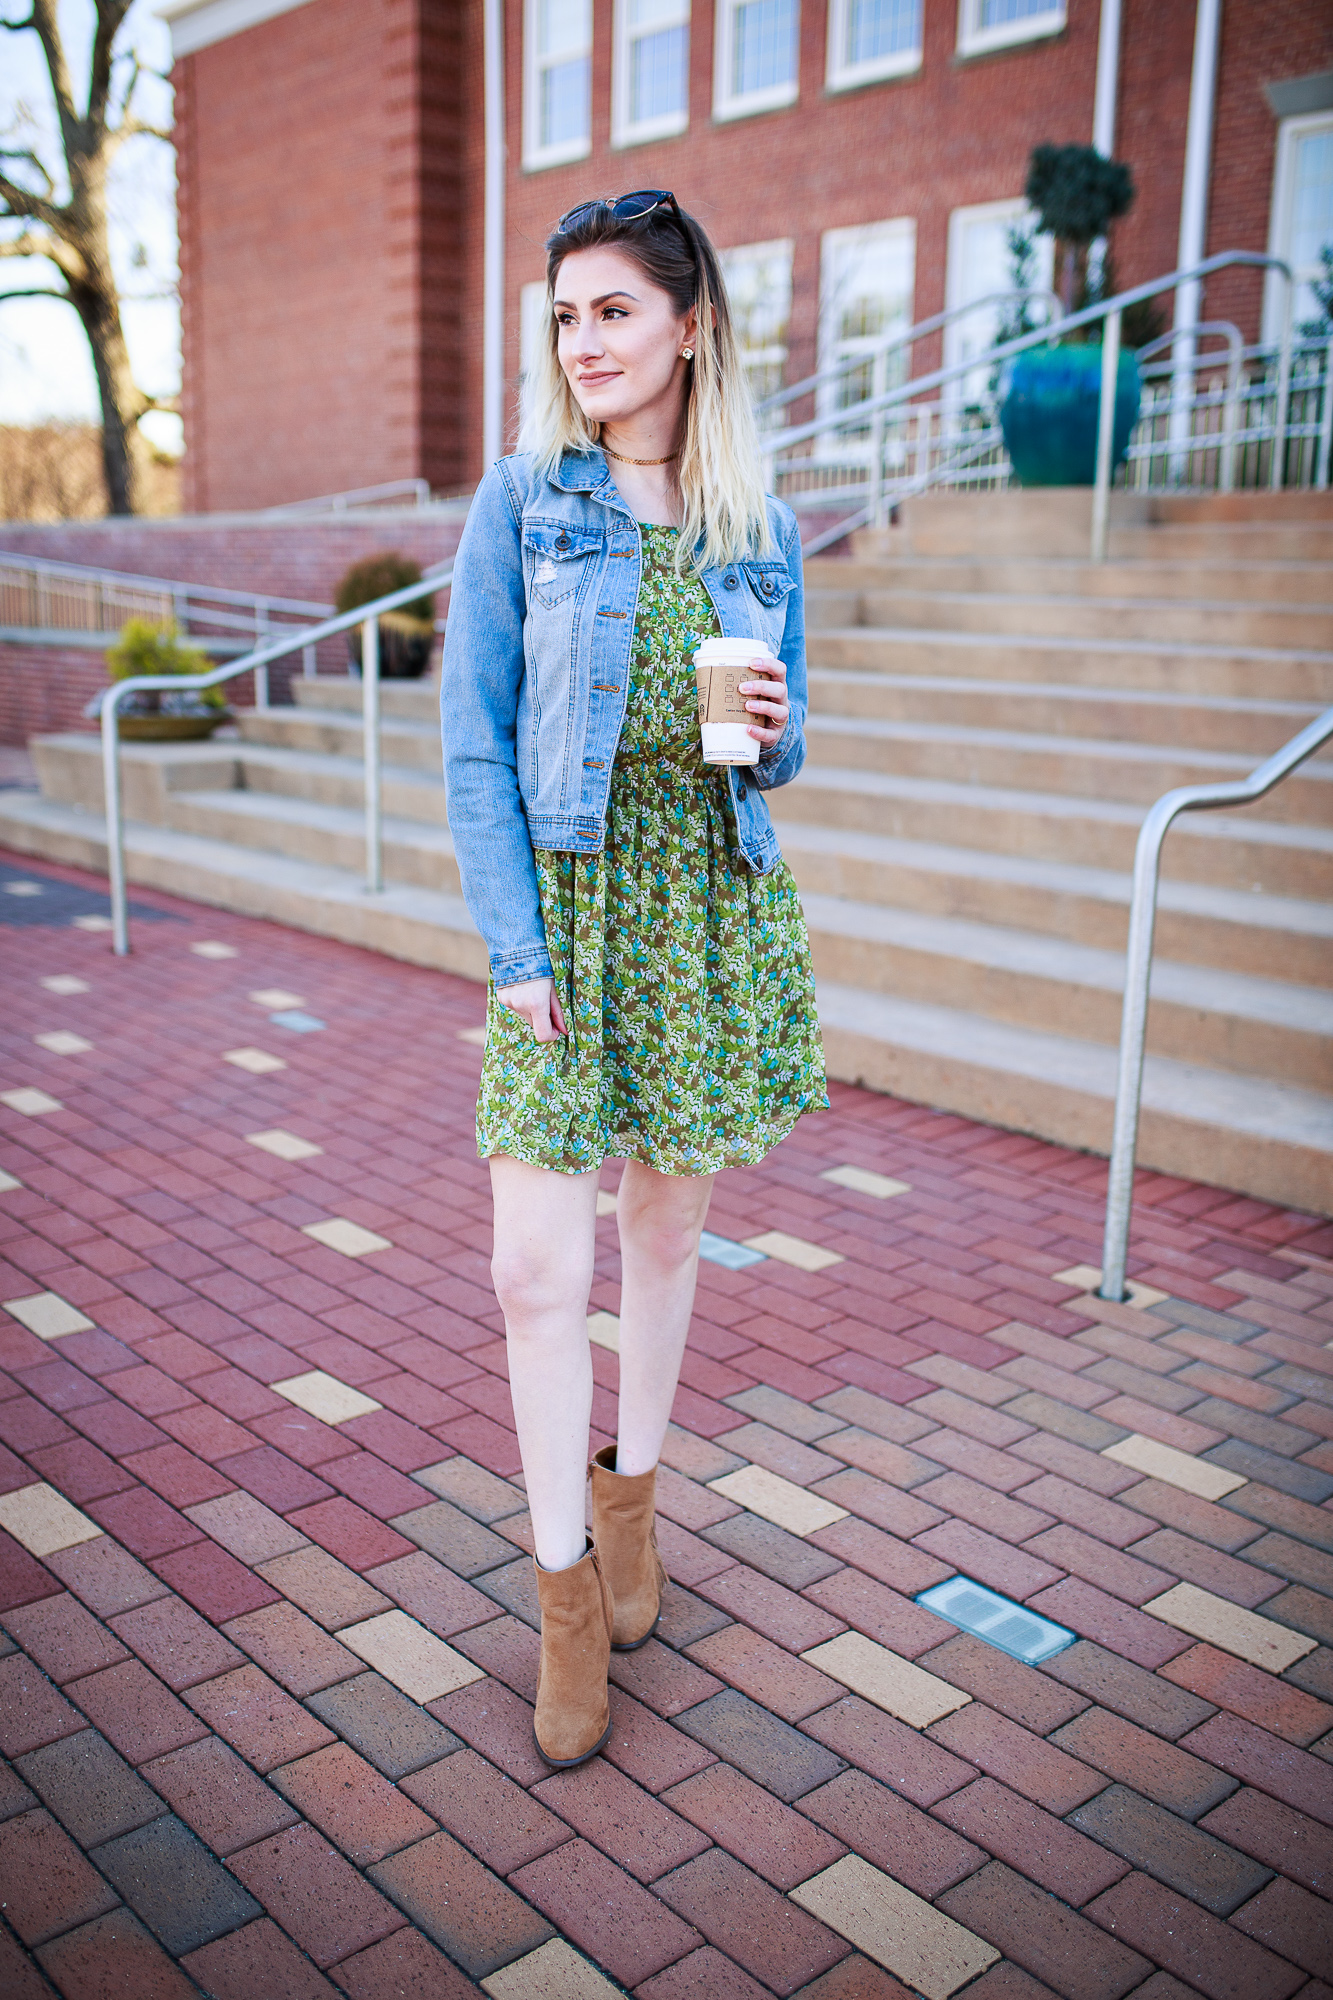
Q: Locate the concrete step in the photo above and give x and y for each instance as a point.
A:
(1088, 767)
(1226, 851)
(1205, 722)
(1243, 542)
(401, 701)
(332, 732)
(1275, 1140)
(306, 830)
(1228, 671)
(1240, 581)
(1228, 1020)
(1199, 623)
(423, 926)
(1196, 924)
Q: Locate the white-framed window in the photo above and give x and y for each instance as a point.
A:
(1301, 221)
(869, 40)
(756, 56)
(650, 91)
(866, 284)
(997, 24)
(758, 279)
(980, 264)
(557, 81)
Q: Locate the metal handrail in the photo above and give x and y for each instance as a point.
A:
(367, 616)
(1138, 971)
(1107, 310)
(781, 397)
(417, 490)
(258, 603)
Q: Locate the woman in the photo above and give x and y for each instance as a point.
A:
(651, 995)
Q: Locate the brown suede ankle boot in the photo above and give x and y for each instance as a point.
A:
(573, 1718)
(626, 1541)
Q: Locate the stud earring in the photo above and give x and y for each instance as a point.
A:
(687, 354)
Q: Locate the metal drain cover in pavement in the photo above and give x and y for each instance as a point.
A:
(996, 1619)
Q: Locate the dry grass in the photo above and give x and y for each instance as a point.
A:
(53, 472)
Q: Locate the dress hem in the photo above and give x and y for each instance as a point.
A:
(626, 1146)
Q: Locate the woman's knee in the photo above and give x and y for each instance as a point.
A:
(536, 1282)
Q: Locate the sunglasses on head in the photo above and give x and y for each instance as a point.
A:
(626, 208)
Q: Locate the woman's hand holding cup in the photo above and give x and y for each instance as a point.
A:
(773, 701)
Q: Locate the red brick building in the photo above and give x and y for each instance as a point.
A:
(859, 161)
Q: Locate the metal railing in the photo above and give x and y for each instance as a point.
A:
(415, 492)
(1138, 973)
(367, 616)
(55, 603)
(938, 460)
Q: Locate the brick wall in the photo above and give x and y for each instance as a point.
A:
(44, 688)
(323, 167)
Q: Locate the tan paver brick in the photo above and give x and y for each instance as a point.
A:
(248, 1529)
(410, 1656)
(555, 1971)
(1258, 1640)
(43, 1520)
(348, 1238)
(257, 1062)
(778, 1500)
(928, 1951)
(793, 1250)
(891, 1682)
(283, 1145)
(862, 1181)
(1177, 1468)
(48, 1315)
(325, 1397)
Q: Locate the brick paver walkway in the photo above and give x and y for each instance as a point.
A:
(265, 1694)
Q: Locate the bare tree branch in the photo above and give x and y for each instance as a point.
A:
(133, 128)
(21, 202)
(35, 292)
(25, 156)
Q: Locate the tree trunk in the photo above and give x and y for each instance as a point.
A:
(121, 402)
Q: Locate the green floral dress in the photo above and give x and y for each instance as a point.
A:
(692, 1038)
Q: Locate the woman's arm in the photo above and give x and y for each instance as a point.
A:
(481, 677)
(779, 764)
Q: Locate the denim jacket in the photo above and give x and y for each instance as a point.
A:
(535, 676)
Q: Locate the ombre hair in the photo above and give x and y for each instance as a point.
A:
(718, 471)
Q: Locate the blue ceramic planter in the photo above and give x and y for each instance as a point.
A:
(1048, 413)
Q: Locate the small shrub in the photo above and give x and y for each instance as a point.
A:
(145, 648)
(377, 576)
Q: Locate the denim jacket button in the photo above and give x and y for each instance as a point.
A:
(562, 541)
(731, 582)
(740, 791)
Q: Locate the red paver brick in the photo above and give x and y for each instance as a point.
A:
(106, 1577)
(206, 1432)
(23, 1580)
(1119, 1627)
(112, 1955)
(1012, 1520)
(506, 1648)
(293, 1648)
(1291, 1922)
(1161, 1771)
(661, 1679)
(923, 1771)
(143, 1522)
(971, 1551)
(256, 1961)
(220, 1797)
(352, 1803)
(1194, 1864)
(769, 1675)
(351, 1534)
(275, 1479)
(25, 1425)
(771, 1838)
(294, 1433)
(432, 1593)
(704, 1975)
(1200, 1948)
(1031, 1841)
(627, 1823)
(1266, 1762)
(1055, 1944)
(1210, 1568)
(375, 1486)
(498, 1723)
(494, 1818)
(1244, 1690)
(1020, 1692)
(883, 1556)
(1108, 1520)
(135, 1711)
(180, 1477)
(900, 1514)
(258, 1718)
(465, 1909)
(148, 1390)
(404, 1966)
(855, 1978)
(879, 1612)
(31, 1712)
(1126, 1689)
(647, 1749)
(1276, 1835)
(63, 1638)
(895, 1836)
(688, 1559)
(778, 1613)
(179, 1645)
(49, 1887)
(773, 1940)
(605, 1912)
(214, 1581)
(317, 1897)
(80, 1471)
(20, 1979)
(1006, 1751)
(1124, 1576)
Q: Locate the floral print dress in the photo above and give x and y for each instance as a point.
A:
(692, 1038)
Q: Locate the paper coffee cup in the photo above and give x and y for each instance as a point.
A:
(721, 667)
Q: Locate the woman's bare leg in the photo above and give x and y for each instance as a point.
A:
(660, 1217)
(542, 1267)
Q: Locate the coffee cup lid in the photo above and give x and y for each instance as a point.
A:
(724, 651)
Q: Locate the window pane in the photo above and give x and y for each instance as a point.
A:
(758, 279)
(564, 28)
(764, 52)
(566, 98)
(657, 75)
(878, 28)
(1311, 215)
(997, 13)
(868, 284)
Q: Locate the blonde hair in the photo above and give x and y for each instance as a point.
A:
(725, 515)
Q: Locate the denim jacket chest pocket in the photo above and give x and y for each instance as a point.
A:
(557, 560)
(770, 584)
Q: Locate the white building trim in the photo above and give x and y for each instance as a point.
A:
(197, 24)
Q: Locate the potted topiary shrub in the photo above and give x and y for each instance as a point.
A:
(1051, 396)
(406, 636)
(157, 715)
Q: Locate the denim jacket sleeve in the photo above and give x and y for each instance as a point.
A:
(779, 764)
(481, 679)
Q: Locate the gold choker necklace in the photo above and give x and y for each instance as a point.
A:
(639, 461)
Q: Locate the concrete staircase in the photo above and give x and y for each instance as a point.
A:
(990, 716)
